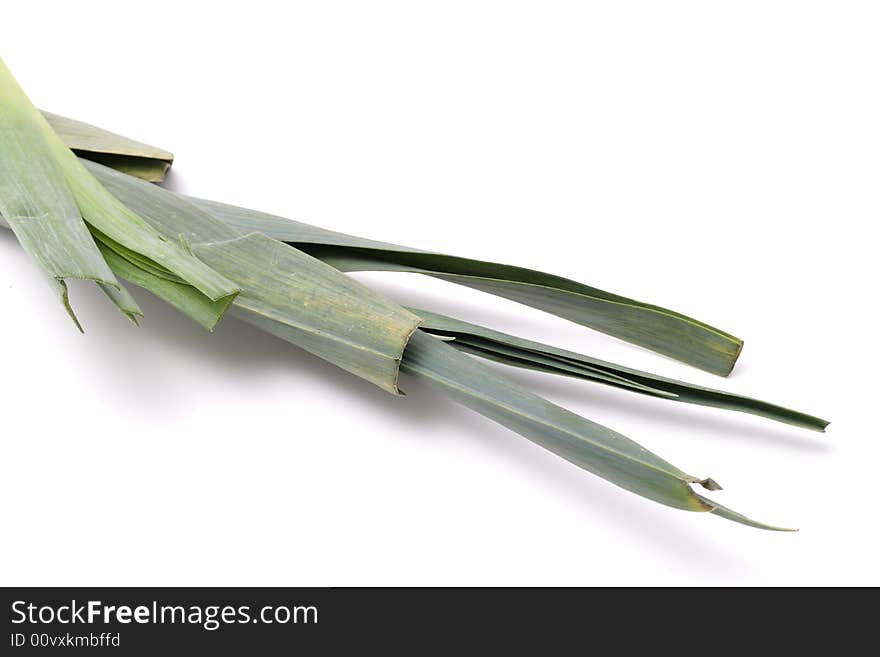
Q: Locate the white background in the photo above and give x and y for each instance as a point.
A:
(721, 159)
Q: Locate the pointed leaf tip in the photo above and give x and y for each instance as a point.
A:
(730, 514)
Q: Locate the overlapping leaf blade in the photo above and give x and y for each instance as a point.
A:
(130, 236)
(283, 291)
(185, 298)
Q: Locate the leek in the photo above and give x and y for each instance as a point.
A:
(81, 219)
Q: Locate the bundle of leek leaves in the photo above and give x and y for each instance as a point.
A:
(82, 203)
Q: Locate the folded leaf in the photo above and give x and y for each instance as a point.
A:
(125, 232)
(185, 298)
(121, 153)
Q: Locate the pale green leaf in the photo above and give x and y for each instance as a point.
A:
(38, 205)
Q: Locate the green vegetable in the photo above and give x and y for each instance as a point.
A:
(82, 219)
(257, 257)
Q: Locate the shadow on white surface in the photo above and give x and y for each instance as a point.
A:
(174, 182)
(642, 519)
(136, 367)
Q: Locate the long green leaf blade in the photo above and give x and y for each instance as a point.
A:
(122, 298)
(591, 446)
(519, 352)
(39, 207)
(658, 329)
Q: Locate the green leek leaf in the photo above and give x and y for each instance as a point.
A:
(655, 328)
(39, 207)
(591, 446)
(519, 352)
